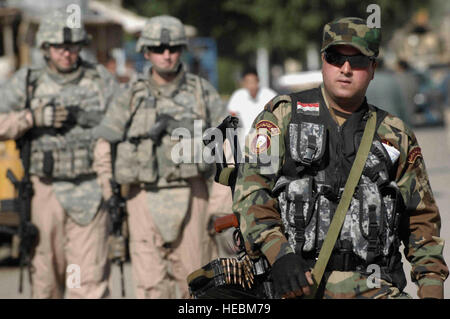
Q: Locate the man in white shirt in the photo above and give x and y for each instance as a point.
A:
(247, 102)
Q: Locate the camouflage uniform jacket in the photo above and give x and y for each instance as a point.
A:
(90, 89)
(260, 220)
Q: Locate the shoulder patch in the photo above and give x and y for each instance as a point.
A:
(415, 153)
(270, 126)
(273, 104)
(396, 122)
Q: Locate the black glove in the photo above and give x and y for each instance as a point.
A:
(288, 275)
(160, 128)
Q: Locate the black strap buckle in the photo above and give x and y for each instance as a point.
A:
(311, 150)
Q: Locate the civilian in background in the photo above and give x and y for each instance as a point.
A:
(248, 101)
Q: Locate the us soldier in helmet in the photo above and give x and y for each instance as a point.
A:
(418, 44)
(286, 205)
(68, 98)
(167, 196)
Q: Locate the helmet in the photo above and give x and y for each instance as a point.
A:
(161, 30)
(55, 28)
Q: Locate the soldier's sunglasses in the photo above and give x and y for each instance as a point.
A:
(72, 48)
(162, 48)
(358, 61)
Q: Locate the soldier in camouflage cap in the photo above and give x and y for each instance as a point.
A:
(286, 205)
(67, 99)
(167, 199)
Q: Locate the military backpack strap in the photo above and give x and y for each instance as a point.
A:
(344, 203)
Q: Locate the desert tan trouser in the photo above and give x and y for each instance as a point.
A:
(160, 270)
(220, 204)
(67, 252)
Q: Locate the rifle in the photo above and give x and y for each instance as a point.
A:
(117, 210)
(222, 277)
(28, 232)
(224, 175)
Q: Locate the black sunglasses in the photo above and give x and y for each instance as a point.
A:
(358, 61)
(72, 47)
(162, 48)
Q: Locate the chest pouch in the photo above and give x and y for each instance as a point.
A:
(295, 198)
(136, 161)
(307, 142)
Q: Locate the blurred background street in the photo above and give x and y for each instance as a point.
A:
(281, 40)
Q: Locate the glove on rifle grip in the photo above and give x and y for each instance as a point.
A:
(157, 131)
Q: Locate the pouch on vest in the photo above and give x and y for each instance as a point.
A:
(365, 221)
(63, 157)
(295, 198)
(378, 164)
(148, 170)
(135, 160)
(307, 142)
(393, 206)
(180, 159)
(319, 222)
(126, 165)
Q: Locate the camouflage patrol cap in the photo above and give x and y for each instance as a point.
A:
(55, 28)
(353, 32)
(162, 30)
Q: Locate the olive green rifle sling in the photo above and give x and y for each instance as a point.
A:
(344, 203)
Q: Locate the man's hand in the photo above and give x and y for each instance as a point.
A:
(291, 277)
(160, 128)
(49, 116)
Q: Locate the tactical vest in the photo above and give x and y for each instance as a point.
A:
(139, 160)
(67, 153)
(319, 156)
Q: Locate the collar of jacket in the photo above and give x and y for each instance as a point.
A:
(66, 78)
(167, 90)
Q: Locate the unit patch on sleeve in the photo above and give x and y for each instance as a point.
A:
(414, 154)
(308, 108)
(271, 127)
(260, 143)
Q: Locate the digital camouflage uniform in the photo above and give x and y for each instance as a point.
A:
(167, 201)
(67, 203)
(264, 230)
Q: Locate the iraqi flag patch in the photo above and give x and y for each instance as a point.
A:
(308, 108)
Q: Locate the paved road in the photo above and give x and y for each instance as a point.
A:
(436, 151)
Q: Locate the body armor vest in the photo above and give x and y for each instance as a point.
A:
(67, 153)
(319, 156)
(139, 160)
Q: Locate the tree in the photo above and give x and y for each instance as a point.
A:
(284, 27)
